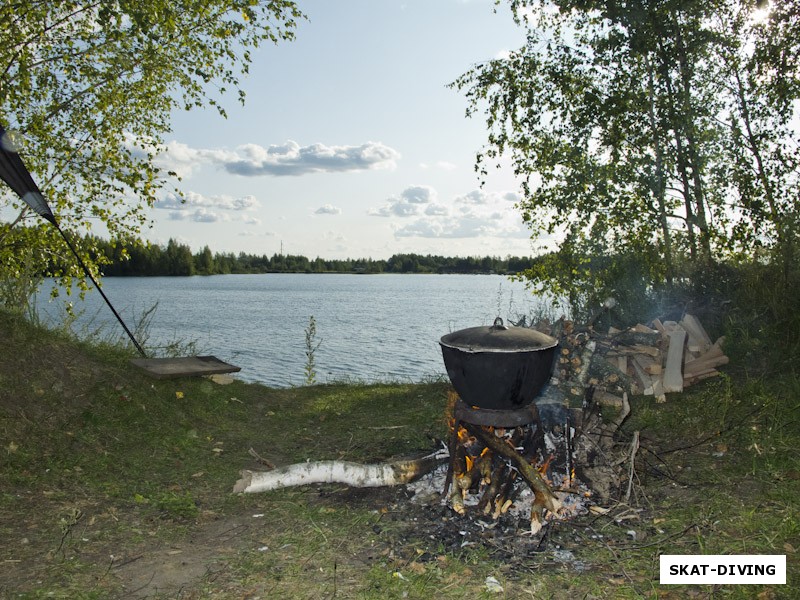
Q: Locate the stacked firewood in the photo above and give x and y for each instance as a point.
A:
(602, 369)
(653, 359)
(668, 357)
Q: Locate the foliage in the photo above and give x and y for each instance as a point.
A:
(90, 88)
(763, 315)
(658, 130)
(312, 345)
(134, 257)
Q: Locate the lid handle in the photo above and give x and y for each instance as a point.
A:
(498, 324)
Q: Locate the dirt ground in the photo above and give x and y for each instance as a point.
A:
(140, 565)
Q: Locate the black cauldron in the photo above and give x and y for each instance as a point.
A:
(498, 367)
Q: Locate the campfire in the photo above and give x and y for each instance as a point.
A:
(528, 436)
(514, 462)
(500, 446)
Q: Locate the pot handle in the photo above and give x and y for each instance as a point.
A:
(498, 324)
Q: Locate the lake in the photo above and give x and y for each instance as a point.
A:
(369, 327)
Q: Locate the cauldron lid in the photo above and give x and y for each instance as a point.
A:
(498, 338)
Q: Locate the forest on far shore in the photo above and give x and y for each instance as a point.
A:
(141, 260)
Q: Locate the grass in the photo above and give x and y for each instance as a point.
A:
(116, 485)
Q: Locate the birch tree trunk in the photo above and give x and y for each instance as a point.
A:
(338, 471)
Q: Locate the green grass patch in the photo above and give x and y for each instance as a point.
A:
(112, 482)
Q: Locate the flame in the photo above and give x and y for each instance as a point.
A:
(545, 465)
(463, 435)
(470, 461)
(450, 409)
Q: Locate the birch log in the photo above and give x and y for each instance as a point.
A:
(338, 471)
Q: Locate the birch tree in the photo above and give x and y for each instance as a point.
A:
(650, 136)
(89, 88)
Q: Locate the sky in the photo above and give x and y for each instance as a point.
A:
(350, 144)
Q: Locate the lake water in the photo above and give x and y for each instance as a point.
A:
(370, 327)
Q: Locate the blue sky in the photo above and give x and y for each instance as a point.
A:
(350, 143)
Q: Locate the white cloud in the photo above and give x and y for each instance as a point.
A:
(286, 159)
(418, 194)
(328, 209)
(476, 214)
(195, 200)
(408, 204)
(486, 198)
(293, 159)
(437, 210)
(205, 209)
(470, 226)
(201, 215)
(396, 208)
(243, 203)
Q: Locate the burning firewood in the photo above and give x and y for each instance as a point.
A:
(338, 471)
(497, 477)
(528, 472)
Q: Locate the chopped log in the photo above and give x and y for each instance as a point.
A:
(673, 377)
(647, 363)
(338, 471)
(698, 366)
(629, 337)
(648, 350)
(483, 467)
(698, 338)
(504, 500)
(714, 357)
(670, 326)
(457, 497)
(604, 373)
(700, 377)
(635, 349)
(658, 390)
(645, 379)
(491, 491)
(659, 326)
(603, 398)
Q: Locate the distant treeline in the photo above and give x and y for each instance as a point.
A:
(139, 259)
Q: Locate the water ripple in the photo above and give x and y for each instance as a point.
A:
(370, 328)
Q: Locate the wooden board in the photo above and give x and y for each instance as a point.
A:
(185, 366)
(673, 372)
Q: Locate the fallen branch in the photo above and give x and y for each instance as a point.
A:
(338, 471)
(260, 459)
(632, 471)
